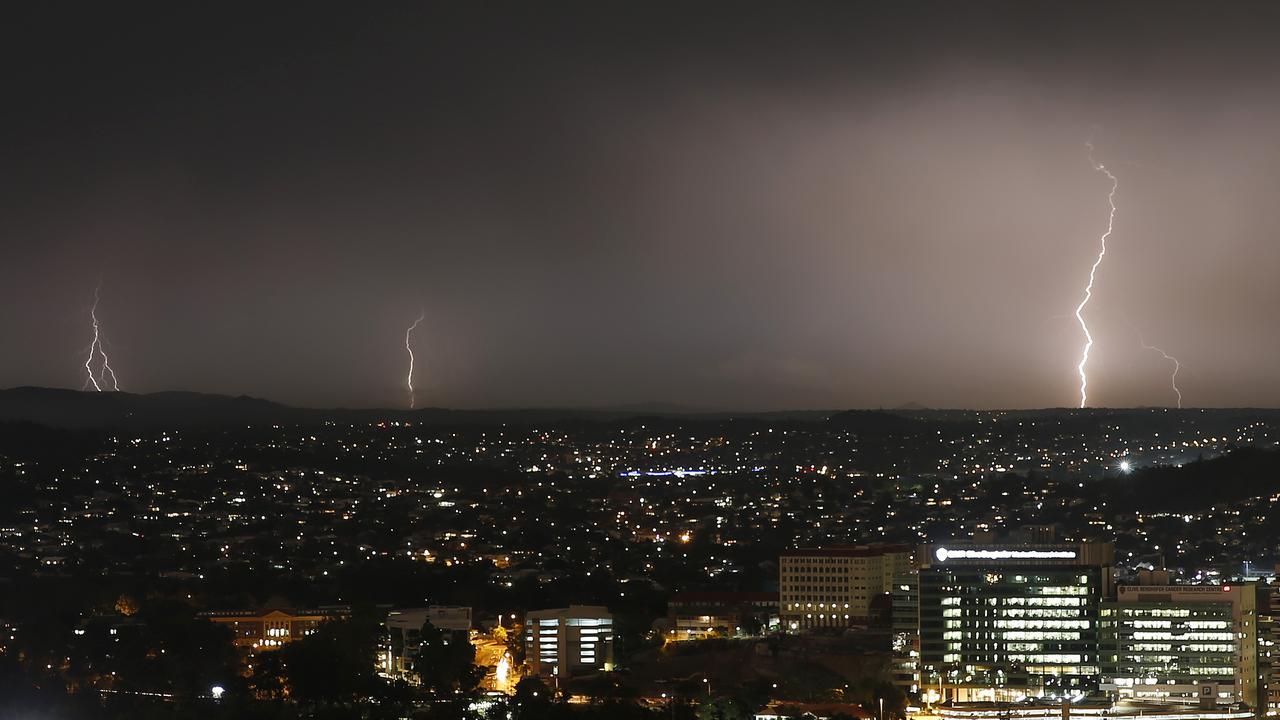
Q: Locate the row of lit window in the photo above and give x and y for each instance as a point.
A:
(1052, 601)
(1051, 669)
(1042, 658)
(1054, 624)
(1041, 612)
(1146, 680)
(1189, 647)
(1170, 660)
(1222, 671)
(818, 562)
(1040, 618)
(1038, 635)
(1183, 636)
(1193, 624)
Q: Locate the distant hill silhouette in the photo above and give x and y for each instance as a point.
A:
(875, 422)
(62, 408)
(913, 405)
(1245, 472)
(75, 409)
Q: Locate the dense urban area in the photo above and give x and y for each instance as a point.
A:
(617, 565)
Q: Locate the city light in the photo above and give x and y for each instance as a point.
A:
(750, 356)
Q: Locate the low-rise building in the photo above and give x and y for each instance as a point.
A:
(564, 642)
(403, 633)
(694, 615)
(271, 628)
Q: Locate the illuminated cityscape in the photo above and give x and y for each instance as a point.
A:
(748, 360)
(1014, 566)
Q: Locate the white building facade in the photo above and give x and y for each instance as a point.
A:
(570, 641)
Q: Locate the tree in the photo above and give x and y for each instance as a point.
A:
(533, 697)
(722, 708)
(267, 681)
(754, 694)
(126, 605)
(445, 663)
(810, 682)
(334, 664)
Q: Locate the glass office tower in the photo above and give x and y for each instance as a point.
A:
(1008, 622)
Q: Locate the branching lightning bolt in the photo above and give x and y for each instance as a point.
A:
(409, 347)
(96, 348)
(1088, 289)
(1173, 377)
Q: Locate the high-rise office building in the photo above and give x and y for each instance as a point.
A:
(1005, 621)
(905, 626)
(1268, 649)
(1183, 644)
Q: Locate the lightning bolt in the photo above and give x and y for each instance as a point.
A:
(1088, 289)
(409, 347)
(96, 348)
(1173, 377)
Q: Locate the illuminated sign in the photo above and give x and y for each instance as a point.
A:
(943, 554)
(1174, 589)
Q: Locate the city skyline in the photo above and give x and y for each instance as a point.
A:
(755, 360)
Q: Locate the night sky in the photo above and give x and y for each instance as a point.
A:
(794, 205)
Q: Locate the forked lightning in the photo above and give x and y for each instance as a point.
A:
(1088, 289)
(1173, 377)
(96, 349)
(408, 345)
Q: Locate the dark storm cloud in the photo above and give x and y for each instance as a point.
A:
(724, 205)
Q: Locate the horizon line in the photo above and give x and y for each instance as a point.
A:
(639, 407)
